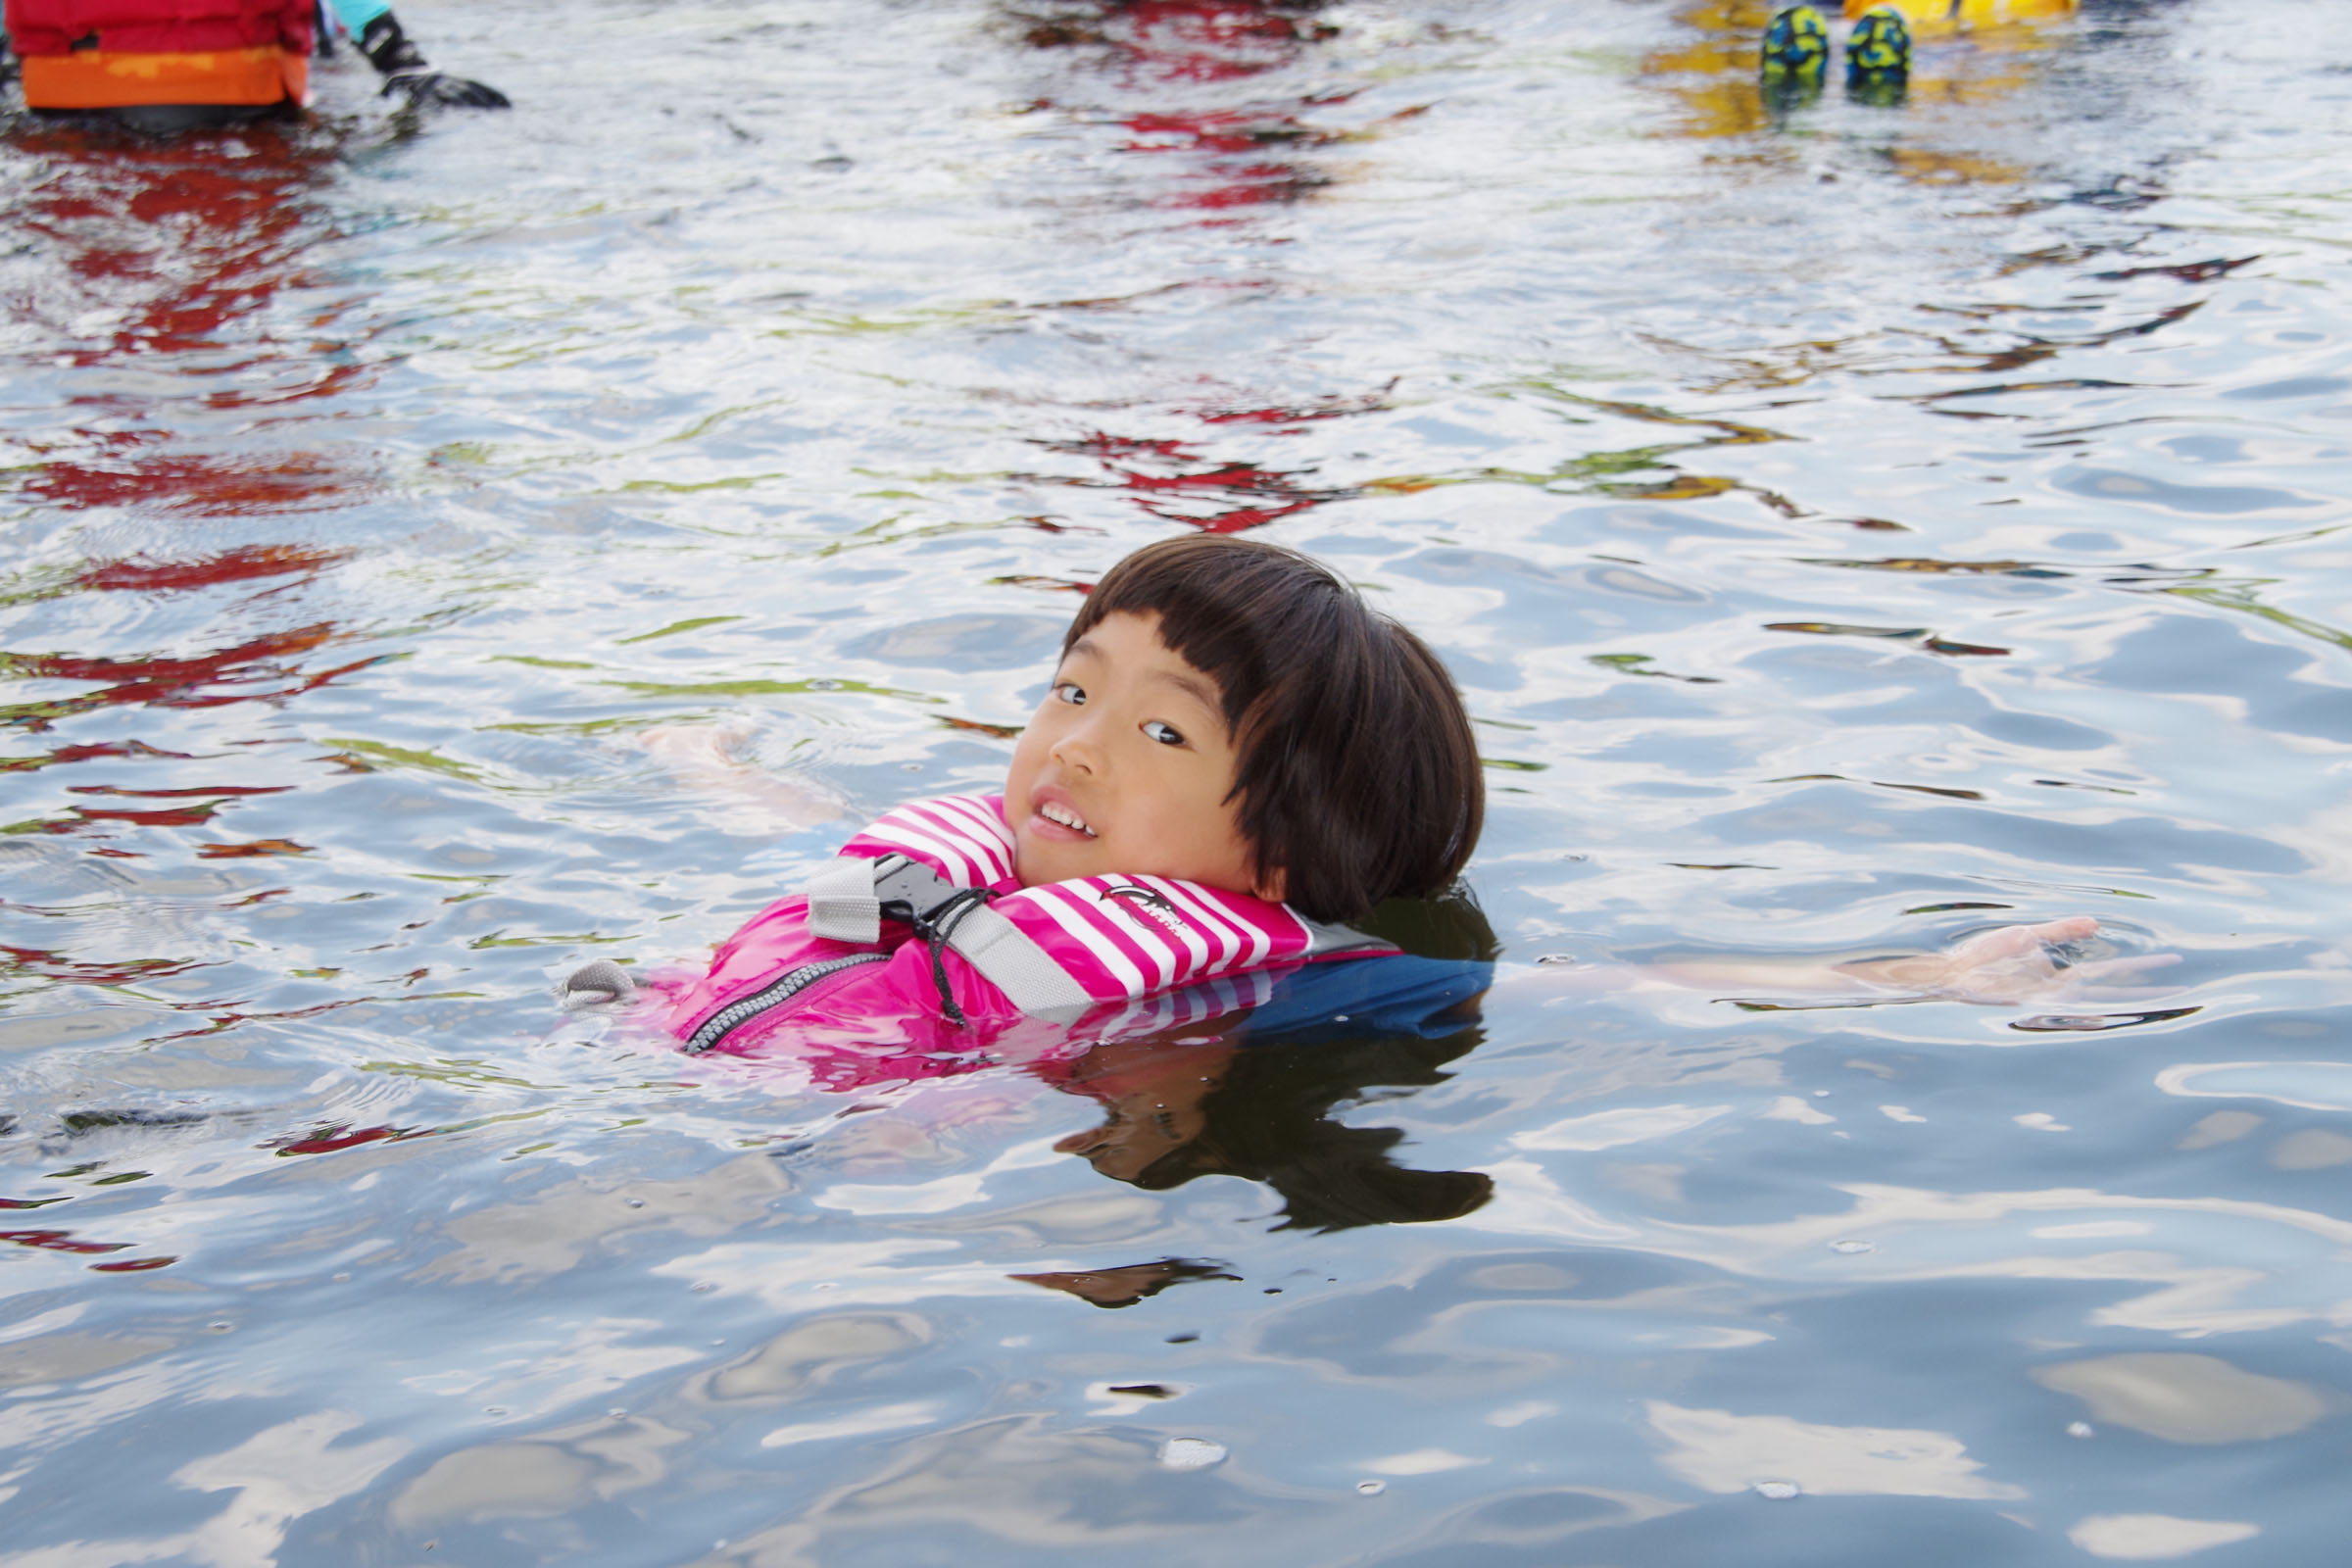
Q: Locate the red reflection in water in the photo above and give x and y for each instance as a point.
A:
(326, 1140)
(168, 257)
(1172, 483)
(151, 795)
(1230, 157)
(1223, 131)
(40, 964)
(228, 1020)
(243, 564)
(1192, 41)
(1232, 131)
(258, 847)
(83, 754)
(176, 240)
(161, 816)
(147, 678)
(1249, 187)
(1331, 407)
(178, 682)
(213, 487)
(59, 1242)
(1185, 40)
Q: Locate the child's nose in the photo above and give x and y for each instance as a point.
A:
(1079, 746)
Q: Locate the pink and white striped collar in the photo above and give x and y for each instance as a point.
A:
(962, 837)
(1119, 937)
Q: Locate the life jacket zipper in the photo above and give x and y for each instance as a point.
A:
(782, 989)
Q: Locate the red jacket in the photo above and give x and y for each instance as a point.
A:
(159, 26)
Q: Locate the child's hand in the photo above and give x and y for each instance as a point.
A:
(709, 759)
(2011, 963)
(697, 748)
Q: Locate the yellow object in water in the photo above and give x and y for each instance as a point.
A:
(1954, 16)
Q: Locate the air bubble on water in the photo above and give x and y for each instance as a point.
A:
(1778, 1490)
(1371, 1489)
(636, 1202)
(2080, 1429)
(1555, 957)
(1191, 1453)
(1853, 1246)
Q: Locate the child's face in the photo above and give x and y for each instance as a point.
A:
(1125, 770)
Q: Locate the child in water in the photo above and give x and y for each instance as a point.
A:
(1236, 757)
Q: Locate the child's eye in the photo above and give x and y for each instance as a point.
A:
(1070, 692)
(1162, 733)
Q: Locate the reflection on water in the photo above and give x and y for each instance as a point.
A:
(1853, 522)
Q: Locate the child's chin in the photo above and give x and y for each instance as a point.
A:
(1038, 862)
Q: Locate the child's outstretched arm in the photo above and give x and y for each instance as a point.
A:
(2011, 963)
(710, 759)
(2007, 965)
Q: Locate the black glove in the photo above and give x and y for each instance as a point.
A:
(405, 70)
(432, 87)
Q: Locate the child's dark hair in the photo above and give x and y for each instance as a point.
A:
(1359, 779)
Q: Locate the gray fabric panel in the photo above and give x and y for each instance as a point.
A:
(1328, 939)
(842, 906)
(1018, 966)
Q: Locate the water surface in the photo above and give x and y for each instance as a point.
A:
(1853, 524)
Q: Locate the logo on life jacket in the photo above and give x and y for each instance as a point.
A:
(1135, 898)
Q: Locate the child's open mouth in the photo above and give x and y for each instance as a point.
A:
(1062, 816)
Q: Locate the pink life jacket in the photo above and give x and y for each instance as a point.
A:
(919, 943)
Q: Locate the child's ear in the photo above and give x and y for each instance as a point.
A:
(1273, 886)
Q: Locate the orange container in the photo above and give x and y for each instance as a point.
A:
(97, 79)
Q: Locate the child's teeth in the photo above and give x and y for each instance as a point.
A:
(1067, 818)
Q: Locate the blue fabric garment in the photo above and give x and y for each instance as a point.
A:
(355, 15)
(1400, 995)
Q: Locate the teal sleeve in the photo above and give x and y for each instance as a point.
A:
(355, 15)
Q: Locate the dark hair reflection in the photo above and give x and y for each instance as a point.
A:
(1256, 1104)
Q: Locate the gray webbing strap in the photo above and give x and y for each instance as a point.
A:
(845, 905)
(1008, 959)
(842, 903)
